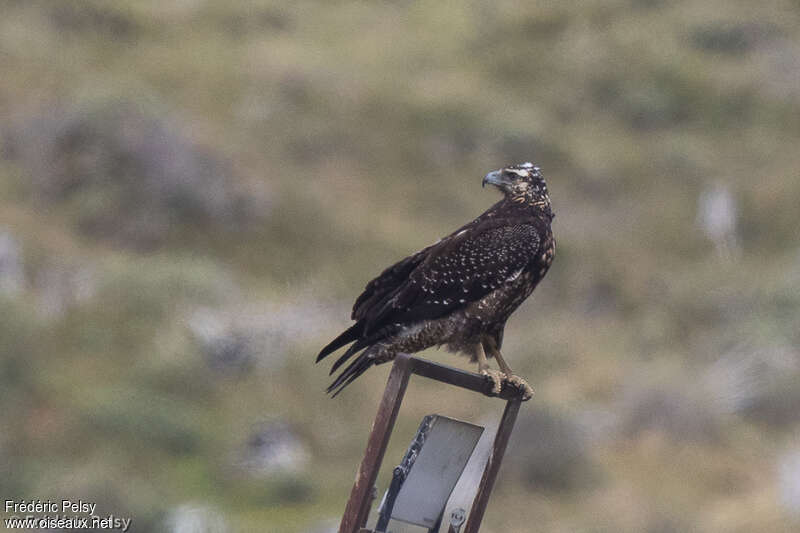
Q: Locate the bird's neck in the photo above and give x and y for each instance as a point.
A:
(524, 209)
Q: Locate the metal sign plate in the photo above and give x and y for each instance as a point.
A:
(447, 446)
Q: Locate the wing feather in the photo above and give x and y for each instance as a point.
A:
(457, 271)
(380, 289)
(391, 278)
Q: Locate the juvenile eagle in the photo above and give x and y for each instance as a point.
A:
(460, 291)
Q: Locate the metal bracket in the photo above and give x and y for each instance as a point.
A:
(357, 510)
(457, 519)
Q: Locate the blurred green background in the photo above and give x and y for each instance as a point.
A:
(194, 192)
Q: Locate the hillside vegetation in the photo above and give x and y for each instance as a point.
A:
(194, 192)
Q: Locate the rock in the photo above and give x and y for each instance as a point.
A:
(195, 518)
(274, 448)
(12, 271)
(258, 334)
(716, 215)
(62, 285)
(132, 173)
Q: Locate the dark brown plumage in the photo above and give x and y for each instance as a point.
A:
(460, 291)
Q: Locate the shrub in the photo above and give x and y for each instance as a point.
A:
(128, 173)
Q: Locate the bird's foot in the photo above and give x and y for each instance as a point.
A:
(497, 378)
(521, 385)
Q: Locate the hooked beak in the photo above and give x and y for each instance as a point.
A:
(495, 178)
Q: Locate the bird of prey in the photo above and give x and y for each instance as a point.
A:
(459, 291)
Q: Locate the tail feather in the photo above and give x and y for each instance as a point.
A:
(349, 335)
(355, 347)
(361, 363)
(353, 370)
(363, 343)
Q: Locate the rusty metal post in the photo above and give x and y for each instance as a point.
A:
(357, 511)
(492, 466)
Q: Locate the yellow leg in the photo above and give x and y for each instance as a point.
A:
(502, 363)
(483, 368)
(521, 384)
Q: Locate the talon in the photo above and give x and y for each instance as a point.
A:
(497, 379)
(522, 385)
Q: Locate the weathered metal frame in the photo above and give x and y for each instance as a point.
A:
(358, 506)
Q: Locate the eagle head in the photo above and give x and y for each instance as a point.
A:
(521, 184)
